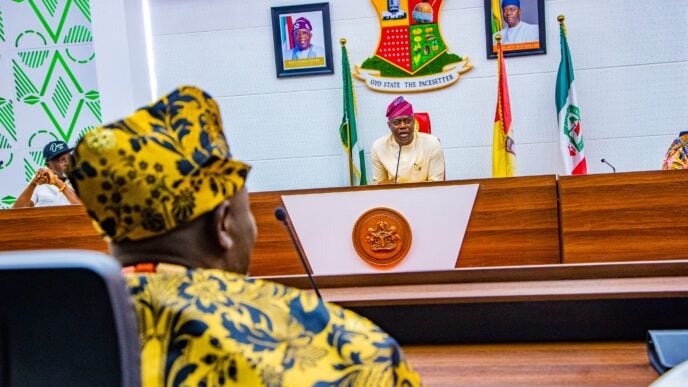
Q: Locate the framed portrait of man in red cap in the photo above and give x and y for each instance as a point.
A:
(519, 23)
(303, 44)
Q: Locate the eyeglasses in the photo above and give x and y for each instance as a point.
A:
(398, 121)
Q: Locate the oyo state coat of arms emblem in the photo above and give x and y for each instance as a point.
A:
(411, 54)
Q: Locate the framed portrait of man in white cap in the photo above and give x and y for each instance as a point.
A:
(519, 23)
(303, 44)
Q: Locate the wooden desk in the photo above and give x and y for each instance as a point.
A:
(61, 227)
(539, 303)
(624, 216)
(580, 324)
(514, 222)
(547, 324)
(523, 364)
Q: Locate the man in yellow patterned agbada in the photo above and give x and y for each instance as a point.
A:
(162, 187)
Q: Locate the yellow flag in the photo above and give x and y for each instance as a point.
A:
(503, 149)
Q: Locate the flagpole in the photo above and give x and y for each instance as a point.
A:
(351, 169)
(342, 41)
(498, 40)
(497, 158)
(560, 19)
(351, 159)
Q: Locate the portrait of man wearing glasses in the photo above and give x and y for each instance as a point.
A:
(404, 155)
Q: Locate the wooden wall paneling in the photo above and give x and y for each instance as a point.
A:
(624, 216)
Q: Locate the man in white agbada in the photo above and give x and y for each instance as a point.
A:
(516, 31)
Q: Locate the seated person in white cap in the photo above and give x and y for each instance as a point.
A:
(50, 186)
(163, 188)
(404, 155)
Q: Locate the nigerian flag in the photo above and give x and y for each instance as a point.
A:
(568, 112)
(347, 130)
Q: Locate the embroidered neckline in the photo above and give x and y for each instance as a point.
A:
(159, 267)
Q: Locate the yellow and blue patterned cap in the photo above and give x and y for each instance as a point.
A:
(163, 166)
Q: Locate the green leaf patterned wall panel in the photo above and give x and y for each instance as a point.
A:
(2, 28)
(48, 84)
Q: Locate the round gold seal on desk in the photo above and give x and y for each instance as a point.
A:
(382, 237)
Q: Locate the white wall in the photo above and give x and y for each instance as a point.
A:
(119, 40)
(630, 56)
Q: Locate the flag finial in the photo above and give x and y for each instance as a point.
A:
(498, 38)
(560, 19)
(342, 41)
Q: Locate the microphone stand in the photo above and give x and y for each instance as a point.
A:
(611, 166)
(396, 174)
(281, 215)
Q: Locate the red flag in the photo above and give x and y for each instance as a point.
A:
(503, 151)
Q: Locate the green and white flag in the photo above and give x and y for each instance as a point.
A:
(568, 112)
(347, 130)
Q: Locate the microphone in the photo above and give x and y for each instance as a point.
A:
(281, 215)
(611, 166)
(396, 174)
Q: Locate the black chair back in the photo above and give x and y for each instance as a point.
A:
(66, 319)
